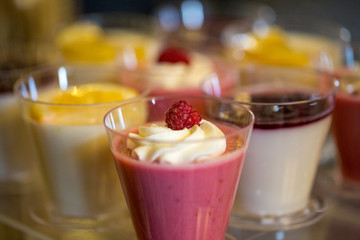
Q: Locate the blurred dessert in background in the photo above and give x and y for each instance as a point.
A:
(346, 124)
(292, 41)
(178, 70)
(98, 44)
(101, 38)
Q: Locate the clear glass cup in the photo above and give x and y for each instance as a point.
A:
(17, 158)
(285, 40)
(189, 200)
(293, 110)
(81, 185)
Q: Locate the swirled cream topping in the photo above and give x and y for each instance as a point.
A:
(174, 75)
(162, 144)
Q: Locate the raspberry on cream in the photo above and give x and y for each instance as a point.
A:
(170, 141)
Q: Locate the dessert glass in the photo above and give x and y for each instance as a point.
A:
(342, 176)
(17, 158)
(191, 200)
(81, 185)
(292, 109)
(285, 40)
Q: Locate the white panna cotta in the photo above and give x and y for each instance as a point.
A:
(78, 168)
(280, 167)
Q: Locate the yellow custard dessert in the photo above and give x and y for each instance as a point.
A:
(72, 146)
(86, 42)
(272, 45)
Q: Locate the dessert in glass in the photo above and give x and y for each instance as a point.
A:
(17, 158)
(95, 43)
(292, 109)
(177, 70)
(342, 175)
(64, 115)
(285, 40)
(347, 127)
(180, 167)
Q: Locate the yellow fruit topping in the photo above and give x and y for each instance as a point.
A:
(94, 94)
(271, 47)
(82, 104)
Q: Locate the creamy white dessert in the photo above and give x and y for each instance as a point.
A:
(75, 158)
(280, 167)
(78, 168)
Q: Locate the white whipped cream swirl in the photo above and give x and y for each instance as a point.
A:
(162, 144)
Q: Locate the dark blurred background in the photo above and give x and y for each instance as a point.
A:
(41, 18)
(343, 12)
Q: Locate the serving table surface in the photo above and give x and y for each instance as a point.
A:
(341, 221)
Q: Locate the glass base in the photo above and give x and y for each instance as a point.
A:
(329, 179)
(313, 212)
(41, 214)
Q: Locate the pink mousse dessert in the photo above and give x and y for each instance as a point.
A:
(179, 176)
(176, 70)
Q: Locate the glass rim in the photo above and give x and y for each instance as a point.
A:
(332, 89)
(24, 79)
(247, 127)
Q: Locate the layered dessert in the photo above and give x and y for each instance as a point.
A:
(75, 159)
(177, 70)
(179, 175)
(289, 131)
(346, 127)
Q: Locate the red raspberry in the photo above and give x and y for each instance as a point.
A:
(174, 55)
(181, 115)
